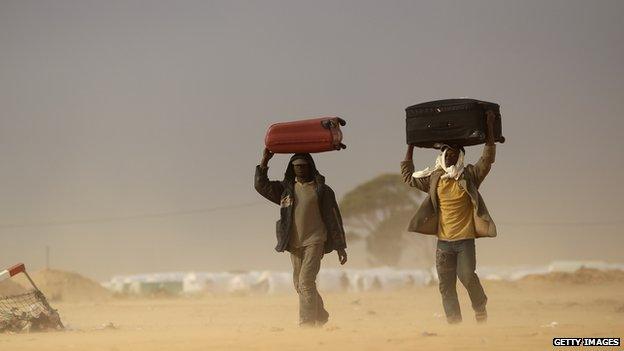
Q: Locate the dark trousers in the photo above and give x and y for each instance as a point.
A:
(457, 259)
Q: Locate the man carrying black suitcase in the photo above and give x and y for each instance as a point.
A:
(455, 212)
(310, 226)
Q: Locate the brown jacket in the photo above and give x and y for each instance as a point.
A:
(425, 221)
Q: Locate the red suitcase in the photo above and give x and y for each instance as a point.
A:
(310, 135)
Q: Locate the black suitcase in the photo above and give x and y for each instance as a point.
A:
(459, 122)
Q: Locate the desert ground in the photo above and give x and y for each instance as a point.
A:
(524, 315)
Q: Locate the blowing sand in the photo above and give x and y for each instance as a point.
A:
(9, 287)
(65, 286)
(525, 315)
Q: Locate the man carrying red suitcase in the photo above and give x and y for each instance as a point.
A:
(310, 226)
(456, 213)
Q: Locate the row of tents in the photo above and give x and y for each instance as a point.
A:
(328, 280)
(265, 282)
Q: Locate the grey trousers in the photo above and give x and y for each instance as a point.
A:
(457, 259)
(306, 262)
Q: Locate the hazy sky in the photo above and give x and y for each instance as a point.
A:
(122, 108)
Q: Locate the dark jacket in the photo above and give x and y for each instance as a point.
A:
(283, 193)
(425, 221)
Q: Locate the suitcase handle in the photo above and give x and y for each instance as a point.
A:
(440, 125)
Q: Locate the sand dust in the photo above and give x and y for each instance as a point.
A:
(524, 315)
(581, 276)
(9, 287)
(64, 286)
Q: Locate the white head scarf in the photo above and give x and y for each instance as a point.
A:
(454, 171)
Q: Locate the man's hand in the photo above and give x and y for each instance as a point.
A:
(410, 153)
(342, 256)
(490, 116)
(266, 156)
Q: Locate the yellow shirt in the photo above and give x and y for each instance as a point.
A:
(456, 221)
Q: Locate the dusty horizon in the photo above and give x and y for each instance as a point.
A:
(115, 110)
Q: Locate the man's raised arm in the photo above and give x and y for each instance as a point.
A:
(407, 169)
(271, 190)
(483, 166)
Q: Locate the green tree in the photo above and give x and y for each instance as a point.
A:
(378, 212)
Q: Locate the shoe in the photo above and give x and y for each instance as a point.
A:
(481, 316)
(454, 319)
(322, 319)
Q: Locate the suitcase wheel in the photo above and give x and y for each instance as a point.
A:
(342, 146)
(329, 123)
(501, 139)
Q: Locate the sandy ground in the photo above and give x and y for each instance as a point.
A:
(521, 316)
